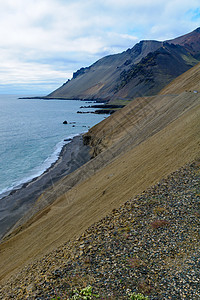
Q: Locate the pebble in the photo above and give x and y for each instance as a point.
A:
(149, 245)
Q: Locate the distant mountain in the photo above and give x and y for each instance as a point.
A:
(99, 80)
(154, 72)
(190, 41)
(141, 71)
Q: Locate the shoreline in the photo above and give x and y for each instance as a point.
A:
(24, 182)
(17, 203)
(64, 98)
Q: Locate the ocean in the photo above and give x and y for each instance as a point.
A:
(32, 135)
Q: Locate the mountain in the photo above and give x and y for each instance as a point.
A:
(132, 149)
(99, 80)
(190, 42)
(154, 72)
(141, 71)
(189, 83)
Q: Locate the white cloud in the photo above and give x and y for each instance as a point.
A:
(49, 39)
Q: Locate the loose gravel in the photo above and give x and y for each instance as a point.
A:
(150, 245)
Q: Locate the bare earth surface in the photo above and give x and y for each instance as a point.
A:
(78, 207)
(150, 244)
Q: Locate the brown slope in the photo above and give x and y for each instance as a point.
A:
(123, 130)
(148, 158)
(158, 135)
(172, 100)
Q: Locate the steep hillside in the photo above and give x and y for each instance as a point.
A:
(143, 70)
(126, 176)
(149, 245)
(173, 99)
(132, 149)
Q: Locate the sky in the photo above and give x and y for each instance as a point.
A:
(44, 41)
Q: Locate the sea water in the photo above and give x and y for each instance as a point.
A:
(32, 135)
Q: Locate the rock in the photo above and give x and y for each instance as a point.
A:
(65, 122)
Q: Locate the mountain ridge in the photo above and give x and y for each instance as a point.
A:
(101, 75)
(100, 80)
(190, 41)
(154, 71)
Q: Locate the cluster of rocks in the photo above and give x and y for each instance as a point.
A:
(65, 123)
(149, 245)
(102, 109)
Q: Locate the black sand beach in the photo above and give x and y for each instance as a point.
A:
(19, 201)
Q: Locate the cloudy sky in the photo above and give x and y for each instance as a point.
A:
(42, 42)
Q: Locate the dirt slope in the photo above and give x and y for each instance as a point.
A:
(128, 174)
(173, 100)
(137, 146)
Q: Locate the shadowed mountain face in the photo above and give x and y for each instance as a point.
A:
(141, 71)
(154, 72)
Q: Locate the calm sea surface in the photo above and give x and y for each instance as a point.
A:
(32, 135)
